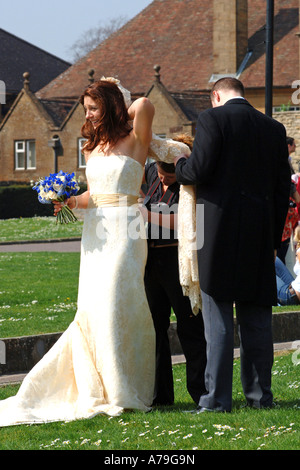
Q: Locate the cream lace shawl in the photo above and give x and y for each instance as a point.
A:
(166, 150)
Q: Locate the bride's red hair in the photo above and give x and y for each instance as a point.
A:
(114, 118)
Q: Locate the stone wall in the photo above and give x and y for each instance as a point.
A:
(291, 121)
(24, 124)
(167, 121)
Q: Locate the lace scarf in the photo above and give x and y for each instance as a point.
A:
(166, 150)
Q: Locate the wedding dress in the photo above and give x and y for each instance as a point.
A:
(105, 361)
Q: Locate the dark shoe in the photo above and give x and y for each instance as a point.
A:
(199, 409)
(203, 409)
(258, 406)
(162, 403)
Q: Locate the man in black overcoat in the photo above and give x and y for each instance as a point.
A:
(239, 165)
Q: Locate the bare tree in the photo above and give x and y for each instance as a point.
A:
(94, 36)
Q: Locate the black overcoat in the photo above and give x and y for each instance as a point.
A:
(239, 164)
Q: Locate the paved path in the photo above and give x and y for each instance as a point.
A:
(72, 245)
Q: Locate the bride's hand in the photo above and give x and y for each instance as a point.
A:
(72, 203)
(58, 205)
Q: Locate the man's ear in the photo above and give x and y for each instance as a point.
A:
(215, 98)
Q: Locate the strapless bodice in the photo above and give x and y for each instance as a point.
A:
(115, 174)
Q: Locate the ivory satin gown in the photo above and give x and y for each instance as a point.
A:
(105, 361)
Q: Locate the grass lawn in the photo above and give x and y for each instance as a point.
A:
(168, 428)
(38, 292)
(37, 228)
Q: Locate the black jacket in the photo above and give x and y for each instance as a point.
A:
(240, 167)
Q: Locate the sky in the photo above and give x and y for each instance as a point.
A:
(55, 25)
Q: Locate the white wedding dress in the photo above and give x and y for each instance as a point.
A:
(105, 361)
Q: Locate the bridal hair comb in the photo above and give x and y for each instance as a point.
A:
(126, 94)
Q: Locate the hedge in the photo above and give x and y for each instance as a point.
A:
(21, 201)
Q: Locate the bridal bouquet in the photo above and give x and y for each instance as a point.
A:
(58, 187)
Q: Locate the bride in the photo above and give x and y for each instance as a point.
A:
(105, 361)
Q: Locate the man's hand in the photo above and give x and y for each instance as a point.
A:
(183, 155)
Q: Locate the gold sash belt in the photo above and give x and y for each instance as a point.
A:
(112, 200)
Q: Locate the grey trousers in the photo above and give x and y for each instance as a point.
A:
(256, 349)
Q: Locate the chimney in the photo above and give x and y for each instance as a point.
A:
(230, 35)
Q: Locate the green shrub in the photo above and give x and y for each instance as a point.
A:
(21, 201)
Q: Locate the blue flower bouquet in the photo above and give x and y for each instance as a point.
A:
(58, 187)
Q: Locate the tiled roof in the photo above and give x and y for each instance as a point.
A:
(18, 56)
(178, 35)
(58, 110)
(192, 103)
(286, 43)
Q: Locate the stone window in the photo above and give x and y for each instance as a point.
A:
(81, 159)
(25, 155)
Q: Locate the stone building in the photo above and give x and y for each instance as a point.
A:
(33, 136)
(193, 43)
(175, 112)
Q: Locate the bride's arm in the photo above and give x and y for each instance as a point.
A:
(141, 112)
(74, 202)
(79, 202)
